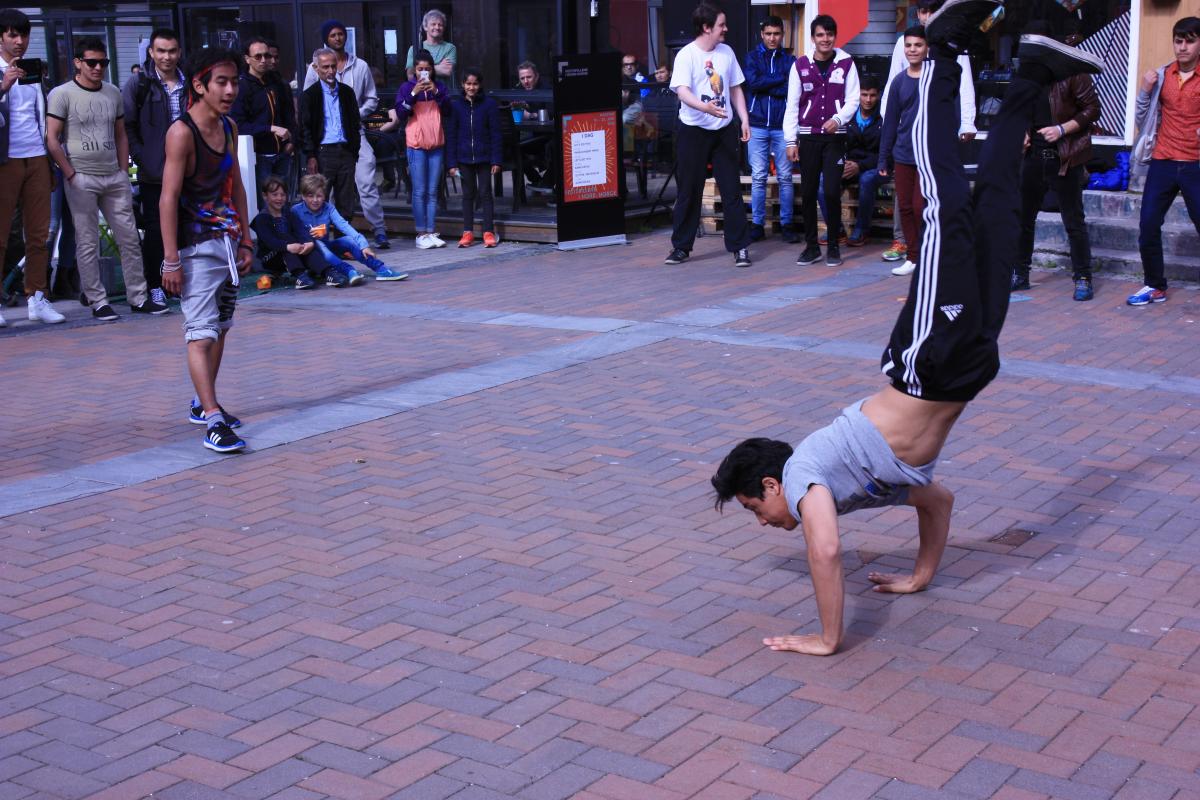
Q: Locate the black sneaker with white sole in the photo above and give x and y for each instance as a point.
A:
(811, 255)
(221, 438)
(196, 417)
(105, 313)
(954, 24)
(150, 307)
(1062, 60)
(833, 256)
(677, 256)
(742, 258)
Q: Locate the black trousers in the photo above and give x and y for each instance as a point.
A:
(821, 159)
(477, 191)
(1039, 172)
(337, 165)
(152, 245)
(944, 344)
(311, 262)
(695, 149)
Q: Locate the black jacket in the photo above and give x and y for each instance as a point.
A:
(274, 234)
(259, 106)
(312, 118)
(862, 144)
(147, 117)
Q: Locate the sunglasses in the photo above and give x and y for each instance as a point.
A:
(95, 62)
(263, 56)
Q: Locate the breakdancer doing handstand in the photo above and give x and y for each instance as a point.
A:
(943, 350)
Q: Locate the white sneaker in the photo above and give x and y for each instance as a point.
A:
(907, 268)
(158, 296)
(437, 240)
(40, 310)
(423, 242)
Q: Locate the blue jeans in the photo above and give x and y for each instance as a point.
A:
(332, 249)
(763, 143)
(425, 170)
(868, 186)
(279, 165)
(1164, 180)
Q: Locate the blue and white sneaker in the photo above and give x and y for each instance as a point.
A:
(381, 242)
(196, 417)
(385, 273)
(305, 281)
(355, 278)
(221, 438)
(336, 278)
(1147, 295)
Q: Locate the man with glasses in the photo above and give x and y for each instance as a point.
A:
(85, 134)
(24, 171)
(153, 100)
(261, 111)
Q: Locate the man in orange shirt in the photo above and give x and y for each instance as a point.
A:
(1168, 114)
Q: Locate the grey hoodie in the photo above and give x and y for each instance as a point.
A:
(1145, 117)
(356, 75)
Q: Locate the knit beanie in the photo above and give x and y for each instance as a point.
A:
(327, 28)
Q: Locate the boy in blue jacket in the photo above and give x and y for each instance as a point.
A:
(334, 235)
(473, 148)
(767, 69)
(284, 244)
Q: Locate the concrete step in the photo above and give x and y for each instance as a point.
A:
(1117, 233)
(1127, 205)
(1118, 262)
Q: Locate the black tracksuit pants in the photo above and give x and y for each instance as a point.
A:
(695, 149)
(944, 345)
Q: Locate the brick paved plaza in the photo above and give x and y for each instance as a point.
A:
(472, 551)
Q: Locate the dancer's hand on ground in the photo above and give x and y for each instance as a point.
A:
(894, 583)
(810, 644)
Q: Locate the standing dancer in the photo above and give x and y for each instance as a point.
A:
(943, 351)
(206, 239)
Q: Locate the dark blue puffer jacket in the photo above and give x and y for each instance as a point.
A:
(766, 85)
(473, 132)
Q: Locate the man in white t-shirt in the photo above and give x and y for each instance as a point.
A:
(24, 169)
(708, 80)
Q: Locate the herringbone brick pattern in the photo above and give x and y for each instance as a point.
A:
(524, 591)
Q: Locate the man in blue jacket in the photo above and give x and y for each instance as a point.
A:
(767, 68)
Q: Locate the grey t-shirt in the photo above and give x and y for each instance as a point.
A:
(853, 461)
(89, 125)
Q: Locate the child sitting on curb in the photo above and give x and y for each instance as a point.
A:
(334, 236)
(284, 244)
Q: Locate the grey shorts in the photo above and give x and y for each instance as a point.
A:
(210, 288)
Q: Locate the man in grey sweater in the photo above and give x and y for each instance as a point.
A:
(356, 73)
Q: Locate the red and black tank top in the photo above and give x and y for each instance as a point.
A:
(206, 199)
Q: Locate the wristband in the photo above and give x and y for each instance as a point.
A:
(243, 244)
(1062, 131)
(170, 266)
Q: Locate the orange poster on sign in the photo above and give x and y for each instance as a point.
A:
(590, 160)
